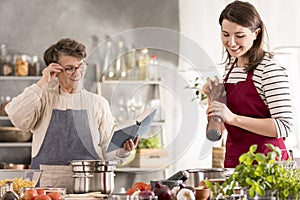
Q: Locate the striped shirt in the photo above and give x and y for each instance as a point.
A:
(272, 84)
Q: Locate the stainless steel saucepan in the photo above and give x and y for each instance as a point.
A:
(197, 175)
(93, 176)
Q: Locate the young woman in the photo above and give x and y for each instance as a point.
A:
(258, 105)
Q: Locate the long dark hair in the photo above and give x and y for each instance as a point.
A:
(245, 14)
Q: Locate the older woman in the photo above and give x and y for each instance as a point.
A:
(68, 122)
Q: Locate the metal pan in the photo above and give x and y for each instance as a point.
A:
(13, 134)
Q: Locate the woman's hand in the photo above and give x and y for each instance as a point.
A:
(49, 74)
(207, 87)
(221, 110)
(130, 145)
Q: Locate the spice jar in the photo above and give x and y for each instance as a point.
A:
(21, 65)
(3, 104)
(6, 67)
(34, 67)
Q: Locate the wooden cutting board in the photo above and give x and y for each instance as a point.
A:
(86, 196)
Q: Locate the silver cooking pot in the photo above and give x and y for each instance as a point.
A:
(93, 176)
(197, 175)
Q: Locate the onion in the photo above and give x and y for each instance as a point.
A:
(162, 191)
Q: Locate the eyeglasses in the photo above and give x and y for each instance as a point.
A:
(70, 69)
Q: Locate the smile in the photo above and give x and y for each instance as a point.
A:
(235, 49)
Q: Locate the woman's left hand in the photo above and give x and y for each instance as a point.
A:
(130, 144)
(221, 110)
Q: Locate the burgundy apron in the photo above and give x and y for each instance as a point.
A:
(243, 99)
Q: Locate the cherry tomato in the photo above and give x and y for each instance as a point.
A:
(42, 197)
(142, 186)
(130, 191)
(29, 194)
(55, 196)
(41, 191)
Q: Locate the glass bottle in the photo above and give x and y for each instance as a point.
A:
(109, 71)
(144, 61)
(152, 69)
(120, 62)
(132, 70)
(10, 194)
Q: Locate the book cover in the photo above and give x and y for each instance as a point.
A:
(130, 130)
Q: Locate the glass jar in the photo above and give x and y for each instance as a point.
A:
(21, 65)
(4, 102)
(34, 66)
(6, 67)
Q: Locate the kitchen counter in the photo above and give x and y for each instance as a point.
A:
(126, 177)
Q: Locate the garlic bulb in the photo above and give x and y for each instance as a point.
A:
(185, 194)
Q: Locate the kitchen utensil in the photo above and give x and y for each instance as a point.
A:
(13, 134)
(197, 175)
(202, 193)
(93, 176)
(180, 175)
(169, 183)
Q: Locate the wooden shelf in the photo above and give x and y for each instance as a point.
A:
(131, 82)
(33, 78)
(4, 118)
(15, 144)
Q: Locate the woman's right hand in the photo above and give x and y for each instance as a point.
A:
(207, 87)
(49, 74)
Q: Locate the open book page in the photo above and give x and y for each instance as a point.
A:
(141, 126)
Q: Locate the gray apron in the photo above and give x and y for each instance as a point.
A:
(68, 138)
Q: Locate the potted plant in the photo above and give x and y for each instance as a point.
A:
(261, 176)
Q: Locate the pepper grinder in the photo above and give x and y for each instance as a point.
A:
(215, 123)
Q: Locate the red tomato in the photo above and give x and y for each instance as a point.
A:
(41, 191)
(130, 191)
(29, 194)
(42, 197)
(55, 196)
(142, 186)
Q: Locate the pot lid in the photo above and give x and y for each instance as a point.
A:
(207, 170)
(94, 162)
